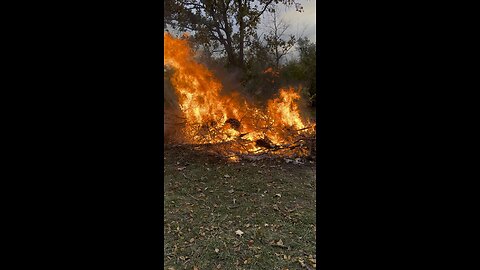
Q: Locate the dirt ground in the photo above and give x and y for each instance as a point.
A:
(245, 215)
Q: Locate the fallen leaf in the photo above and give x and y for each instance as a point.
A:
(217, 250)
(227, 176)
(181, 168)
(239, 232)
(298, 161)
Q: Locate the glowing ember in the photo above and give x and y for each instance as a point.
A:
(212, 118)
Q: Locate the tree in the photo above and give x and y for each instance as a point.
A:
(303, 70)
(275, 38)
(229, 24)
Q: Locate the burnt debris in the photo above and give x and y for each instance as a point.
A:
(265, 142)
(234, 123)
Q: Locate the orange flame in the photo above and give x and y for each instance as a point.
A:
(211, 117)
(271, 72)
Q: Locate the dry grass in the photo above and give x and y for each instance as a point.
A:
(207, 200)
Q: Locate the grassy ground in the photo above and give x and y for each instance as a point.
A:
(246, 215)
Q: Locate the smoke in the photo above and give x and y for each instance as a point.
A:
(171, 114)
(229, 77)
(231, 80)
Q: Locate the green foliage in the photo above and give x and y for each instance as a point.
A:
(303, 70)
(258, 59)
(230, 24)
(225, 31)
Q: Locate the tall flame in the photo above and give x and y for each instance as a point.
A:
(211, 117)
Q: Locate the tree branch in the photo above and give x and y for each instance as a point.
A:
(263, 10)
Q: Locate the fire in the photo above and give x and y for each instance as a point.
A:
(271, 72)
(286, 108)
(214, 118)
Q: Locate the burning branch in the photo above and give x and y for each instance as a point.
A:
(228, 124)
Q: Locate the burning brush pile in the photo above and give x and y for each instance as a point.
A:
(227, 124)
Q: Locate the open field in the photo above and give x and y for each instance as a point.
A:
(245, 215)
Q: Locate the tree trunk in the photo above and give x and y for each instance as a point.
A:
(241, 63)
(229, 46)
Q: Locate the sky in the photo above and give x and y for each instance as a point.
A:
(301, 23)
